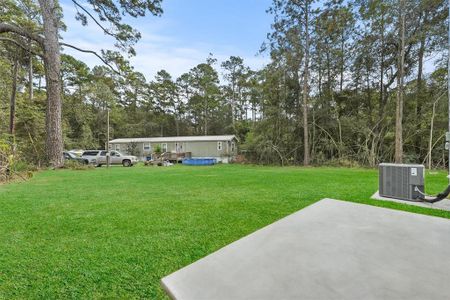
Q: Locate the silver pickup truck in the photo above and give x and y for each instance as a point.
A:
(116, 158)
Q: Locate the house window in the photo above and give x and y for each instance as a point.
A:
(147, 147)
(117, 147)
(164, 147)
(219, 146)
(232, 146)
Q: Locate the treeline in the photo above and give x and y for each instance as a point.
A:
(349, 82)
(355, 81)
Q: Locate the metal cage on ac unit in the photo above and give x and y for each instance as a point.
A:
(401, 181)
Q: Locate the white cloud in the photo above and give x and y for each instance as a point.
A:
(155, 51)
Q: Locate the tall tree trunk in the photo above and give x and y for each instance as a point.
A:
(418, 139)
(342, 66)
(320, 76)
(369, 98)
(329, 84)
(430, 142)
(382, 101)
(12, 104)
(313, 142)
(233, 103)
(52, 61)
(206, 116)
(399, 108)
(306, 89)
(177, 125)
(253, 114)
(30, 74)
(372, 148)
(383, 95)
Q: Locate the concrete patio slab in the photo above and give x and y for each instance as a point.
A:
(443, 204)
(329, 250)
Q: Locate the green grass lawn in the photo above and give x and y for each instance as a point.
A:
(113, 233)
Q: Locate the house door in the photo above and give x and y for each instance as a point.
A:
(179, 147)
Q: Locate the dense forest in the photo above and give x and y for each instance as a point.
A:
(349, 82)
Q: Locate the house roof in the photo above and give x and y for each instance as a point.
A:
(201, 138)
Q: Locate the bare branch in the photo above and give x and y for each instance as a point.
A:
(94, 53)
(17, 43)
(106, 31)
(20, 31)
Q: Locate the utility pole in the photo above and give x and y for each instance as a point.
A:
(107, 141)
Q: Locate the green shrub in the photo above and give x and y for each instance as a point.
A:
(11, 164)
(343, 162)
(20, 166)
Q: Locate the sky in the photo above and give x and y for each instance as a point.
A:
(183, 36)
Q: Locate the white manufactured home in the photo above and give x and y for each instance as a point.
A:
(221, 147)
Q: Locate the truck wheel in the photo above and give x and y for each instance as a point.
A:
(126, 163)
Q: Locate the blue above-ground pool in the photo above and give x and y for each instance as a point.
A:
(199, 161)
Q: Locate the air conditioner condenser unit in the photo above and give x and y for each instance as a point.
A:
(402, 181)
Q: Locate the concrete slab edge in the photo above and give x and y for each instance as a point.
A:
(172, 296)
(441, 205)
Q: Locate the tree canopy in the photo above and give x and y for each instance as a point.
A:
(346, 82)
